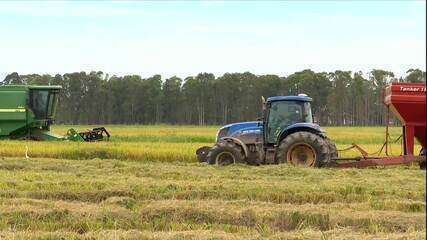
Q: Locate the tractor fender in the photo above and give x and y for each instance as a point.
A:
(299, 127)
(238, 142)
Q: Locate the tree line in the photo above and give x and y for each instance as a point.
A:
(340, 98)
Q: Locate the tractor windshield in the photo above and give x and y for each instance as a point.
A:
(43, 103)
(285, 113)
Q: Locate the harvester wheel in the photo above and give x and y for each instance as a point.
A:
(225, 153)
(304, 149)
(423, 152)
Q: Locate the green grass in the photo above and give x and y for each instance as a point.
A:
(146, 184)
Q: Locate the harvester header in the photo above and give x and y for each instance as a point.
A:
(27, 112)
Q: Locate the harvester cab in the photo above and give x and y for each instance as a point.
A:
(27, 112)
(285, 134)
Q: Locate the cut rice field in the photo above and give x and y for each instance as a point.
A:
(145, 183)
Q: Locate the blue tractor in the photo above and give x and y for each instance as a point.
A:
(285, 134)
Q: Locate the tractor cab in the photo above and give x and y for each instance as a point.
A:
(284, 111)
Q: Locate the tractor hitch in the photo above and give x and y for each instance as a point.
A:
(360, 162)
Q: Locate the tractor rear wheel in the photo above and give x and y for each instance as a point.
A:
(303, 149)
(333, 152)
(225, 153)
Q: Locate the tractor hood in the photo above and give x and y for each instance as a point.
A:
(234, 129)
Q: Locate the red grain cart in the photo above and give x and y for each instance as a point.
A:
(408, 102)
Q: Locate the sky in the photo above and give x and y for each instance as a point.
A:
(185, 38)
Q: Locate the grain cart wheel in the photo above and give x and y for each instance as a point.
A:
(423, 152)
(304, 149)
(225, 153)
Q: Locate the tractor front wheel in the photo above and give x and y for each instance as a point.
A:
(225, 153)
(304, 149)
(202, 153)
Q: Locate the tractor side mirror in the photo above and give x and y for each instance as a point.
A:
(263, 103)
(264, 107)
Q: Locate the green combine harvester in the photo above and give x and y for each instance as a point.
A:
(26, 112)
